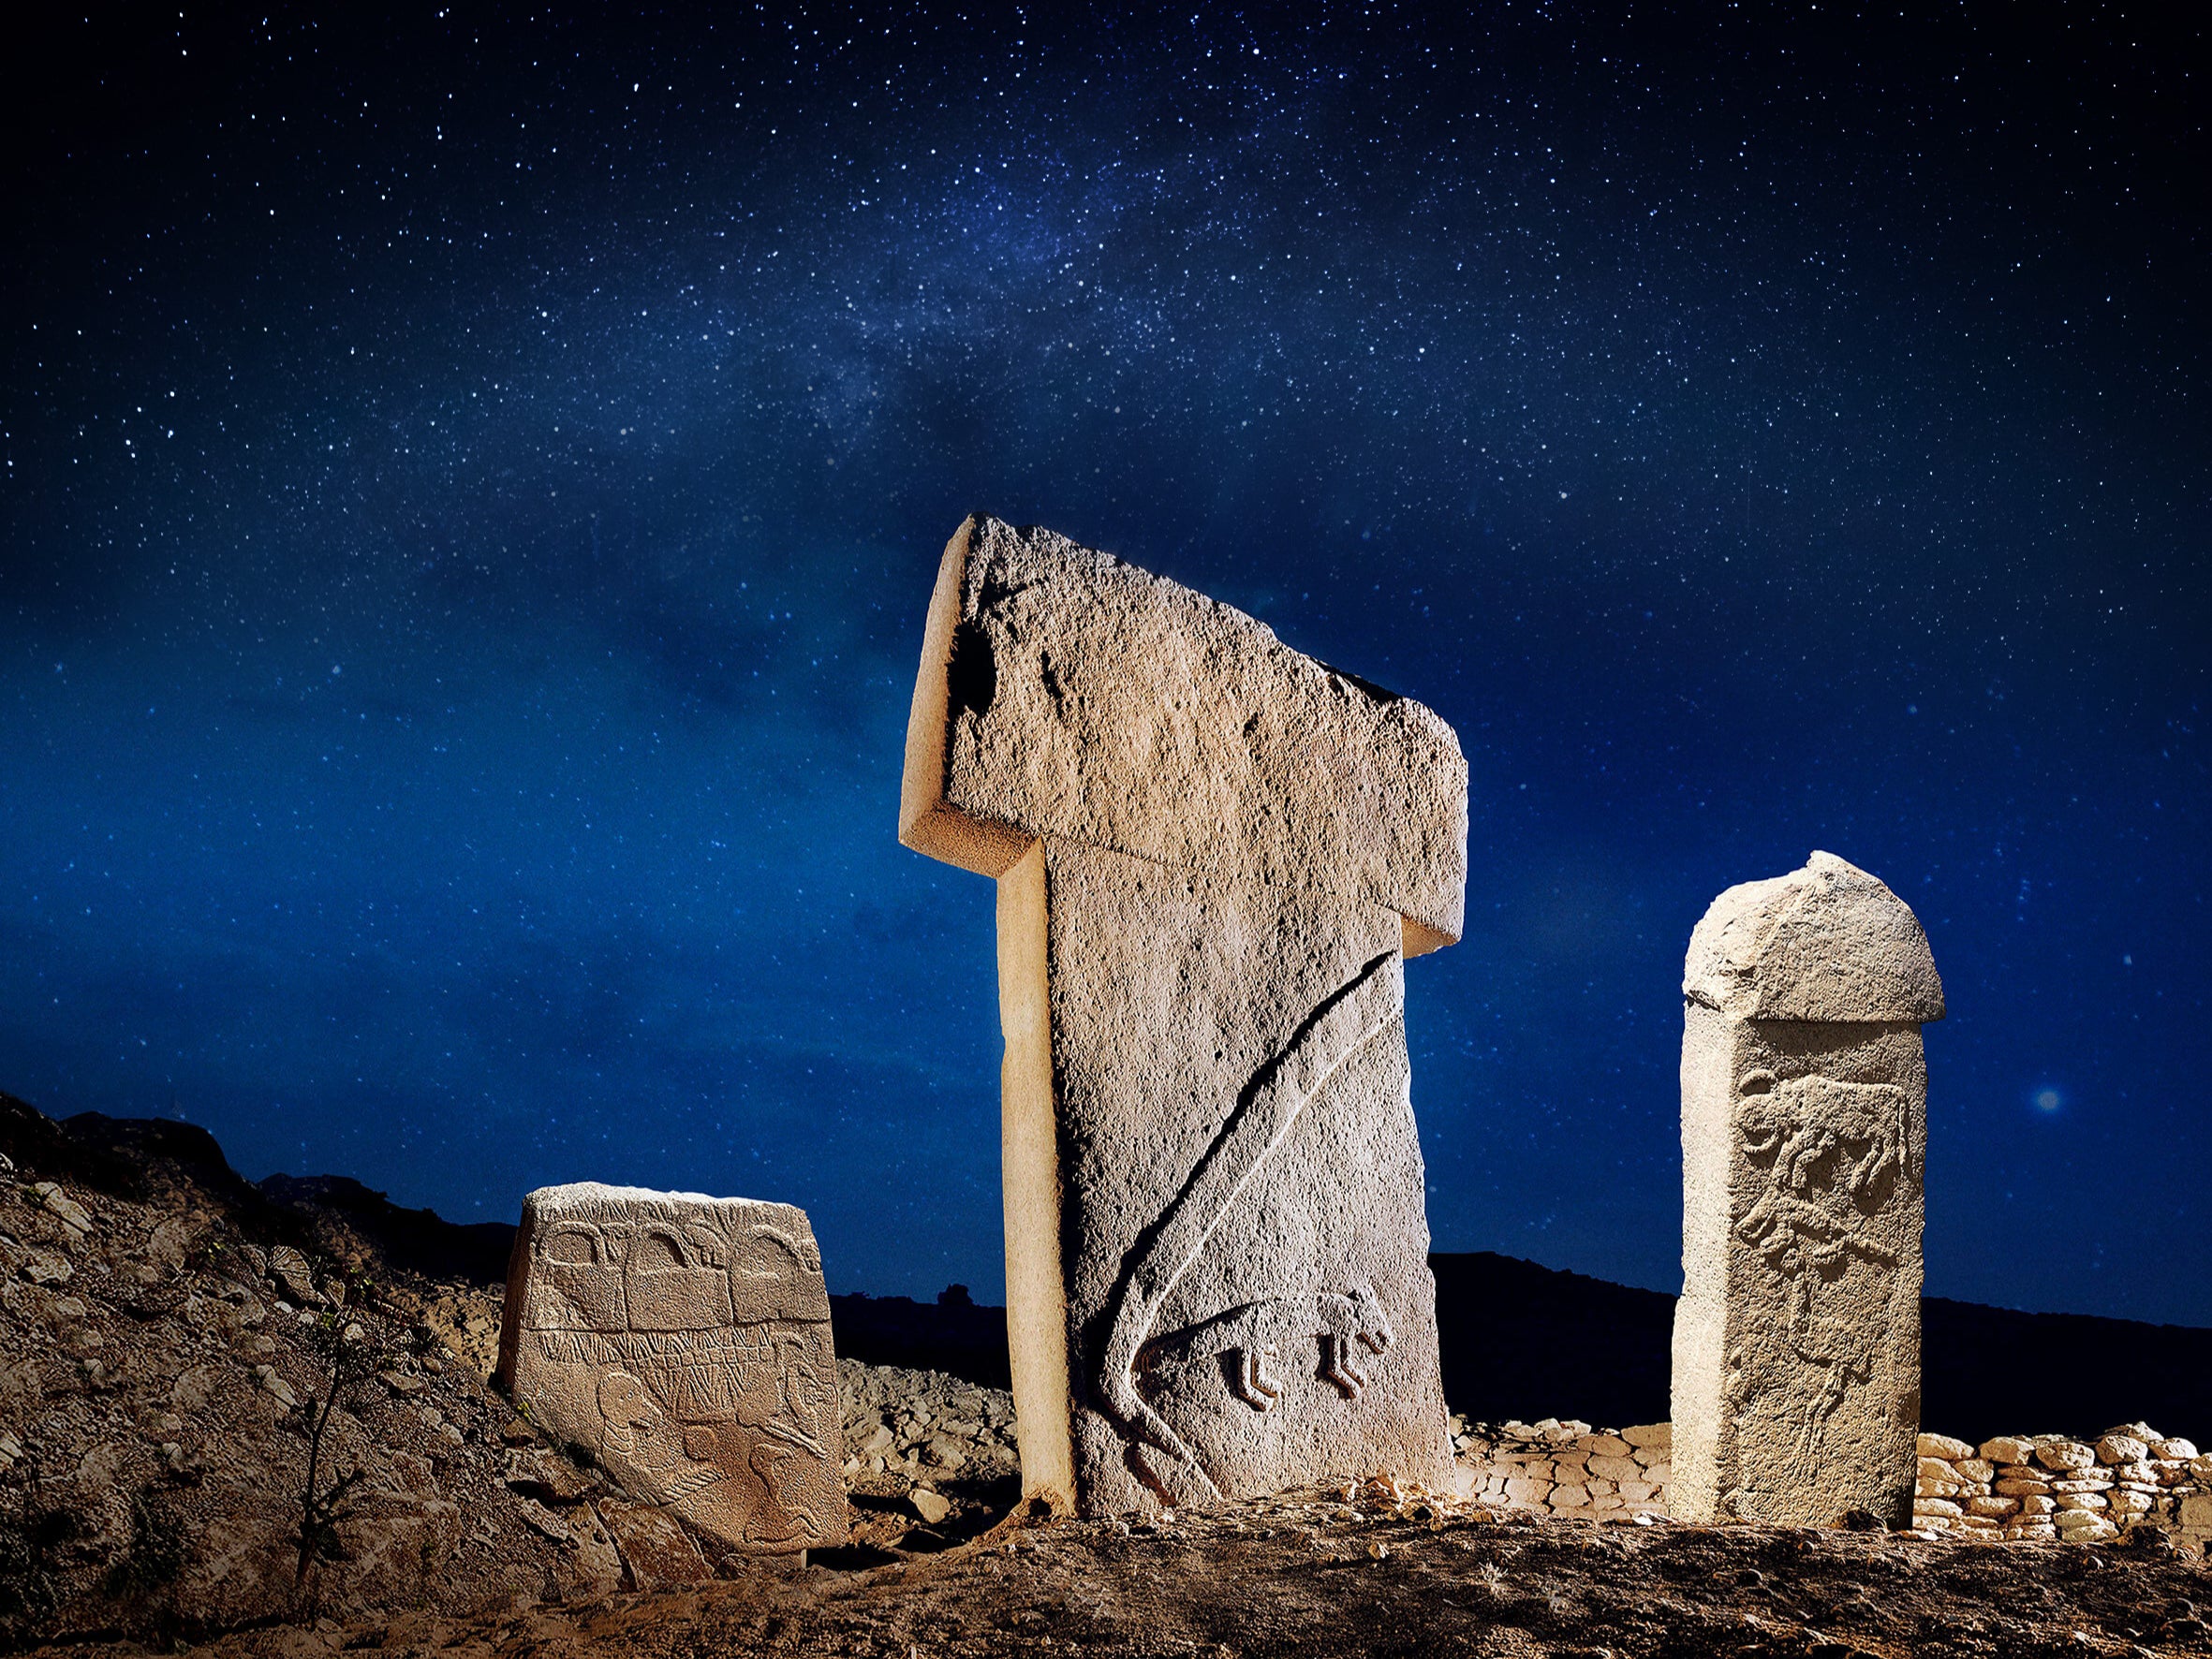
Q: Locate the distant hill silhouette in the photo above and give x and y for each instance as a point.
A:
(1517, 1340)
(1520, 1340)
(1524, 1341)
(951, 1334)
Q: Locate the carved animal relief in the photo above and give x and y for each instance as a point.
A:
(1829, 1156)
(1214, 856)
(684, 1344)
(1320, 1326)
(1804, 1123)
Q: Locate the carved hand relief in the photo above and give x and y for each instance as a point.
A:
(1333, 1333)
(684, 1345)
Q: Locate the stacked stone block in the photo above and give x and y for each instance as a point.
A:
(2029, 1488)
(2050, 1487)
(1566, 1468)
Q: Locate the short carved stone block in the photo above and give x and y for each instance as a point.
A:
(683, 1342)
(1796, 1387)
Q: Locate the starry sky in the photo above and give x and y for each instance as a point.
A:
(473, 479)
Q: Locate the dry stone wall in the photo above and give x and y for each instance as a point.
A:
(2035, 1488)
(1566, 1468)
(2050, 1485)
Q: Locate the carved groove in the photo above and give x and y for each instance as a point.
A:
(1337, 1030)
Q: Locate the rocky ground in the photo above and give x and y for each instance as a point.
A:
(259, 1418)
(222, 1404)
(1371, 1574)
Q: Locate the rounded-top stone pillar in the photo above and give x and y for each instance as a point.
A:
(1796, 1388)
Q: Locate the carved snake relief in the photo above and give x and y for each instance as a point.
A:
(1331, 1035)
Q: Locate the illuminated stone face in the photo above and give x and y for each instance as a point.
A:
(683, 1342)
(1804, 1134)
(1212, 856)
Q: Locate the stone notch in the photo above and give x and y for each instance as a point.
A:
(1796, 1383)
(1827, 943)
(1064, 694)
(683, 1342)
(1212, 856)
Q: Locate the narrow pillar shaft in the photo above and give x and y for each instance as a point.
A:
(1797, 1340)
(1217, 1236)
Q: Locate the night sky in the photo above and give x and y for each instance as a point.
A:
(473, 481)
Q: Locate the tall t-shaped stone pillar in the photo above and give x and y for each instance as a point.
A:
(1803, 1130)
(1213, 854)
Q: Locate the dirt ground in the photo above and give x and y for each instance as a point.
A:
(166, 1330)
(1313, 1574)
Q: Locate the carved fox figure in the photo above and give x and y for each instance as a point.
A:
(1263, 1334)
(1331, 1035)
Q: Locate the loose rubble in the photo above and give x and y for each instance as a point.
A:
(903, 1425)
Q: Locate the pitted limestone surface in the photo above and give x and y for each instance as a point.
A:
(1213, 857)
(1066, 695)
(683, 1342)
(1803, 1130)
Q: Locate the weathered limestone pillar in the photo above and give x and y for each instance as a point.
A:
(1803, 1130)
(683, 1342)
(1213, 854)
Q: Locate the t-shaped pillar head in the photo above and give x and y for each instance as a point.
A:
(1213, 854)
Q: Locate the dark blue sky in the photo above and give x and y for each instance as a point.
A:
(473, 481)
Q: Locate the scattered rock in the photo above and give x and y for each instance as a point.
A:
(538, 1473)
(932, 1506)
(656, 1552)
(57, 1203)
(290, 1268)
